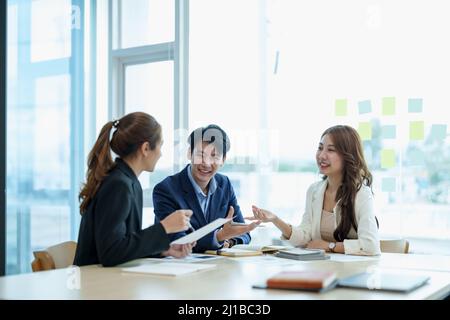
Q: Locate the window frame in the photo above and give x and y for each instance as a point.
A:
(3, 44)
(176, 51)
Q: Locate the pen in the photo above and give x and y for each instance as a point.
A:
(190, 226)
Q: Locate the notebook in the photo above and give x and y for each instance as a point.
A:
(302, 254)
(318, 281)
(384, 281)
(265, 249)
(169, 268)
(233, 252)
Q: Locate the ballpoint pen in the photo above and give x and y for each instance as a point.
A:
(190, 226)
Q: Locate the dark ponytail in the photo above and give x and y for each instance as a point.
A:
(130, 132)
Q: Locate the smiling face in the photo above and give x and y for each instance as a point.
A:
(329, 161)
(205, 161)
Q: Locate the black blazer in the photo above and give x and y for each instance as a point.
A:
(111, 228)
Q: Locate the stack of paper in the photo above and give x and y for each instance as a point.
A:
(303, 254)
(169, 268)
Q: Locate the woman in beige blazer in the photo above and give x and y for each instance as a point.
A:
(339, 215)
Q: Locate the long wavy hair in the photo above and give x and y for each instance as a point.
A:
(131, 131)
(355, 174)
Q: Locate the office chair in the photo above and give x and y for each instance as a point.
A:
(54, 257)
(394, 245)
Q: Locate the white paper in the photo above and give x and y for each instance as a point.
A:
(169, 269)
(339, 257)
(193, 257)
(200, 233)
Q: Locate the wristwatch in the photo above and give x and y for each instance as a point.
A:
(231, 242)
(331, 246)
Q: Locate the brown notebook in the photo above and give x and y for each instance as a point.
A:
(310, 280)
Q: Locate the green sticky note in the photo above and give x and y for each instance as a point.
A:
(388, 106)
(387, 158)
(388, 184)
(340, 107)
(364, 107)
(438, 131)
(415, 105)
(365, 130)
(416, 130)
(388, 132)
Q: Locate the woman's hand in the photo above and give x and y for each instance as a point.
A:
(179, 250)
(318, 244)
(262, 215)
(177, 221)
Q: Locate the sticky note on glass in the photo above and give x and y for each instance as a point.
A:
(365, 130)
(388, 106)
(388, 184)
(415, 105)
(416, 130)
(416, 157)
(387, 158)
(364, 107)
(388, 132)
(438, 131)
(340, 107)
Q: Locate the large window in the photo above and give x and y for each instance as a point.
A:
(149, 88)
(73, 65)
(290, 69)
(273, 73)
(143, 22)
(143, 75)
(45, 127)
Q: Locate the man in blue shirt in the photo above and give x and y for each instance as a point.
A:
(208, 194)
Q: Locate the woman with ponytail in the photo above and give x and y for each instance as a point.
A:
(339, 215)
(111, 199)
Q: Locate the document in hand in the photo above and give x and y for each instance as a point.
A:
(200, 233)
(303, 254)
(265, 249)
(301, 280)
(169, 268)
(384, 281)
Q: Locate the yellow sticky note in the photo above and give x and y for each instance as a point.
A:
(387, 158)
(388, 106)
(416, 130)
(365, 130)
(340, 107)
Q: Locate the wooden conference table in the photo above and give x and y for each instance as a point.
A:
(231, 279)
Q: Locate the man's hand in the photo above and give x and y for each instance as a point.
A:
(228, 231)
